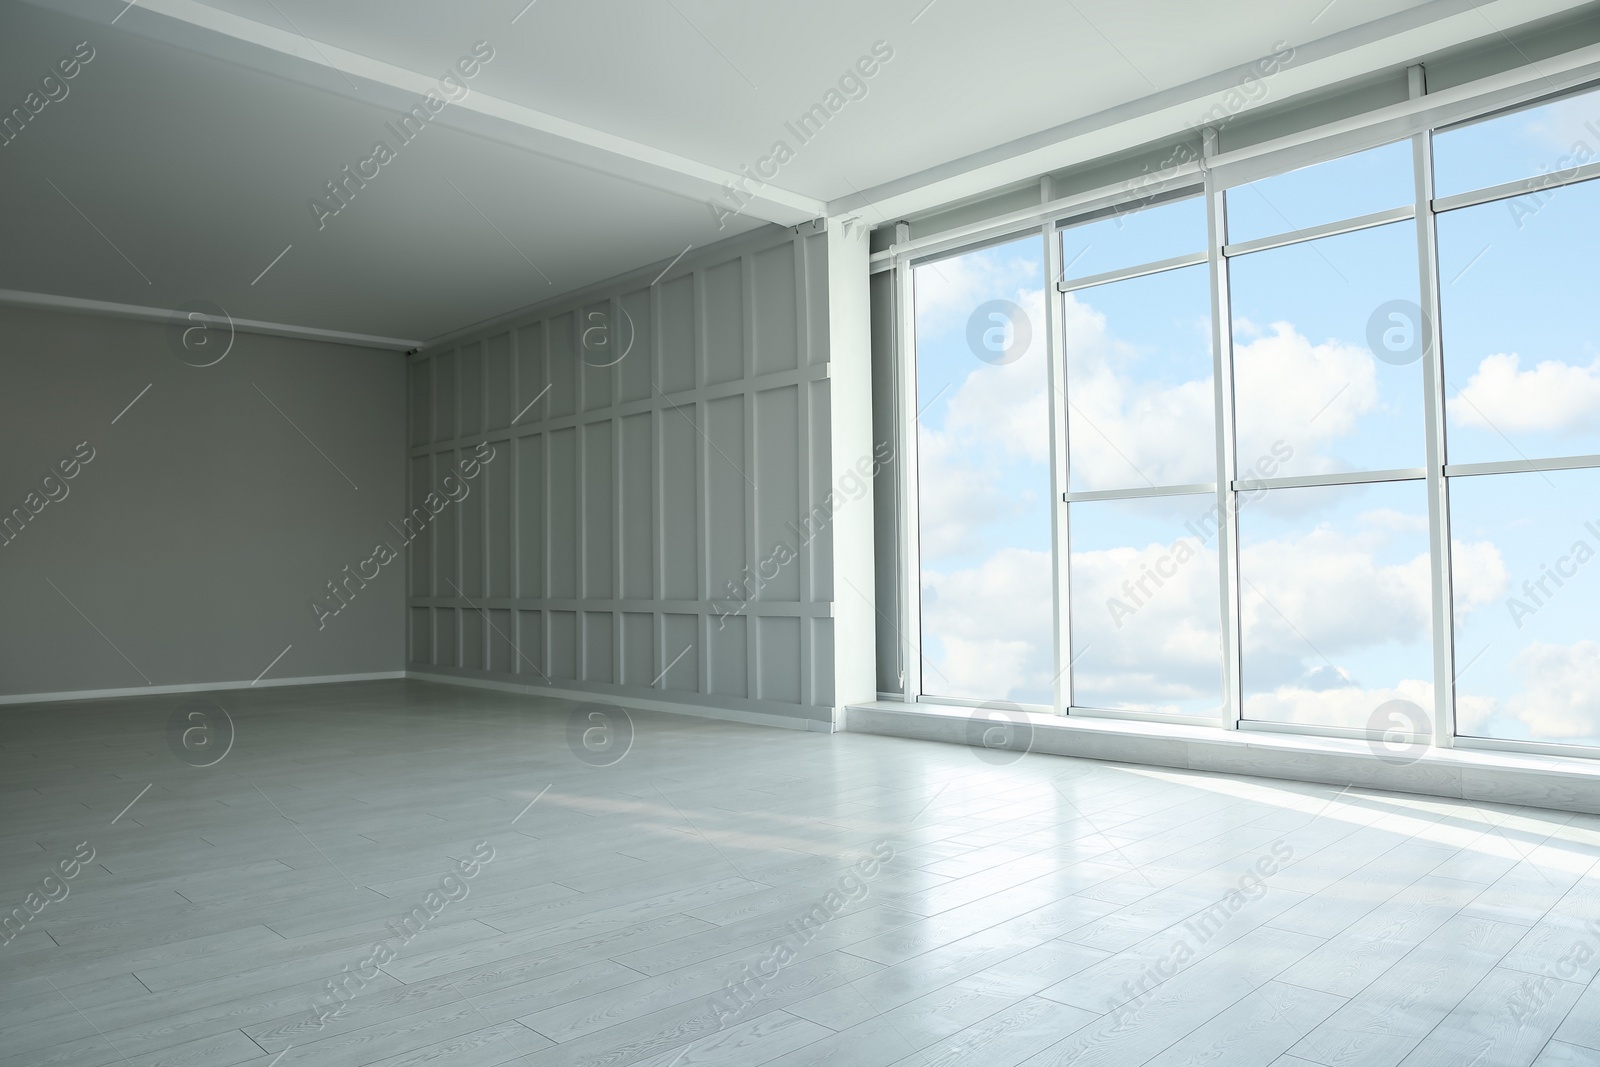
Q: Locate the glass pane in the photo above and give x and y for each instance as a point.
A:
(1521, 337)
(1551, 137)
(1133, 238)
(1327, 357)
(1526, 583)
(1140, 406)
(1343, 188)
(1335, 599)
(984, 475)
(1146, 606)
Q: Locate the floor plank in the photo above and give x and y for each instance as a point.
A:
(739, 896)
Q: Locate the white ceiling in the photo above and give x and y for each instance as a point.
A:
(183, 158)
(715, 80)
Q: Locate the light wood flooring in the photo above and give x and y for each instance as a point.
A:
(1047, 912)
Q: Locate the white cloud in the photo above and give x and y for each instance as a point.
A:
(1007, 407)
(1473, 714)
(1560, 699)
(1553, 396)
(996, 418)
(1480, 577)
(1347, 706)
(1324, 593)
(960, 499)
(990, 420)
(1142, 644)
(994, 622)
(1126, 431)
(1307, 396)
(1398, 521)
(947, 291)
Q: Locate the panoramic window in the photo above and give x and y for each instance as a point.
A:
(1146, 622)
(1133, 236)
(1334, 603)
(983, 485)
(1345, 188)
(1522, 416)
(1141, 437)
(1549, 138)
(1408, 445)
(1334, 593)
(1326, 354)
(1526, 581)
(1521, 344)
(1139, 392)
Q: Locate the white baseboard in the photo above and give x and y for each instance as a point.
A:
(671, 707)
(195, 687)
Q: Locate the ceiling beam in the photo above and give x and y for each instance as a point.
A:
(222, 35)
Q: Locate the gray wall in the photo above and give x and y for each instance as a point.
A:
(594, 551)
(191, 545)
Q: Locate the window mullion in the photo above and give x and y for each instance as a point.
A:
(906, 466)
(1222, 392)
(1433, 398)
(1060, 532)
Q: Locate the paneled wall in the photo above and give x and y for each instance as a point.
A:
(633, 489)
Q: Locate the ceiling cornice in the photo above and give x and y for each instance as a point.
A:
(83, 306)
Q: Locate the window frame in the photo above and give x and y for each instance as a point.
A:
(1210, 177)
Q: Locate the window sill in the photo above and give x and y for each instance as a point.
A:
(1475, 774)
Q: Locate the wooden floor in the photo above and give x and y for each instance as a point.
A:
(735, 895)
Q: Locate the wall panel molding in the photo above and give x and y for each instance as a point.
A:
(658, 519)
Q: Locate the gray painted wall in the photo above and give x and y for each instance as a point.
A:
(656, 448)
(188, 549)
